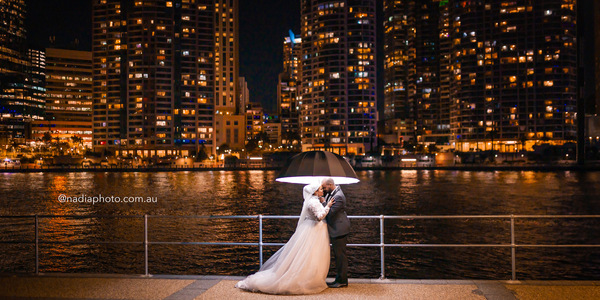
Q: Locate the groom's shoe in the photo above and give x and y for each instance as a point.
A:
(337, 285)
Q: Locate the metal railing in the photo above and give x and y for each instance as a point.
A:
(382, 245)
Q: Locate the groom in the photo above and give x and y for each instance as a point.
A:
(339, 227)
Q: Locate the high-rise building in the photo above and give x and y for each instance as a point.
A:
(399, 70)
(244, 95)
(512, 71)
(416, 68)
(156, 67)
(596, 41)
(226, 56)
(21, 80)
(68, 96)
(227, 85)
(338, 70)
(288, 107)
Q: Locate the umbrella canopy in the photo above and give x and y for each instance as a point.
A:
(312, 166)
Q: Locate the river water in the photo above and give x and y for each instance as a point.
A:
(414, 192)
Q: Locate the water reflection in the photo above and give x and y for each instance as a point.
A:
(412, 192)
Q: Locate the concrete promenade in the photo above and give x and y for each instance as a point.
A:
(170, 287)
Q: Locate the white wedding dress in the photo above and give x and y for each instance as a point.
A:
(302, 264)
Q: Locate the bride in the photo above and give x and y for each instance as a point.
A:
(302, 264)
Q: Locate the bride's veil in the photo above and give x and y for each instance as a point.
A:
(307, 193)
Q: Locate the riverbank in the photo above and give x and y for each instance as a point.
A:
(469, 167)
(69, 286)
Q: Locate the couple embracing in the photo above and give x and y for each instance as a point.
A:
(302, 264)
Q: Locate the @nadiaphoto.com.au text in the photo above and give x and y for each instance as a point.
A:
(62, 198)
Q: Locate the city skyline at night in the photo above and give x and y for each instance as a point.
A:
(167, 76)
(237, 149)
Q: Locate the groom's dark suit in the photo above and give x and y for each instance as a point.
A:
(338, 226)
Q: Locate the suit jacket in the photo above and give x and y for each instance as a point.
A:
(337, 220)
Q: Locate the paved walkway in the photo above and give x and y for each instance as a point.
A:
(78, 286)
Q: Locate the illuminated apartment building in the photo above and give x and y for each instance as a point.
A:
(514, 74)
(68, 96)
(226, 56)
(416, 68)
(228, 109)
(254, 120)
(512, 67)
(21, 79)
(288, 107)
(338, 70)
(158, 74)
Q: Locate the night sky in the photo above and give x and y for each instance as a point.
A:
(263, 25)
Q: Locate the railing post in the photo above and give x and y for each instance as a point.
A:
(146, 243)
(512, 247)
(382, 245)
(260, 239)
(37, 246)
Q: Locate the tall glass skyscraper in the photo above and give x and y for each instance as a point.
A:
(21, 79)
(288, 107)
(339, 72)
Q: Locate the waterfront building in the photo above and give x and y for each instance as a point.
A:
(230, 129)
(510, 68)
(162, 71)
(21, 80)
(339, 75)
(416, 71)
(68, 96)
(254, 120)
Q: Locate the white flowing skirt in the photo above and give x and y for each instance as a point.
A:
(299, 267)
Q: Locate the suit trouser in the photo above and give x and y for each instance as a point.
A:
(341, 259)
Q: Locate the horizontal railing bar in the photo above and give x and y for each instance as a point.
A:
(203, 243)
(204, 217)
(296, 217)
(90, 242)
(557, 246)
(429, 245)
(281, 244)
(17, 242)
(555, 216)
(445, 217)
(273, 244)
(91, 216)
(72, 216)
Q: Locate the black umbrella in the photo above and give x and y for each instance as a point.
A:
(312, 166)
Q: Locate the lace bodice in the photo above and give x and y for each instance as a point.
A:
(316, 210)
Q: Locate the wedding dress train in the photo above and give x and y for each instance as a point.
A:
(302, 264)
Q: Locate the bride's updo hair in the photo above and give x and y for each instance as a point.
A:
(309, 190)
